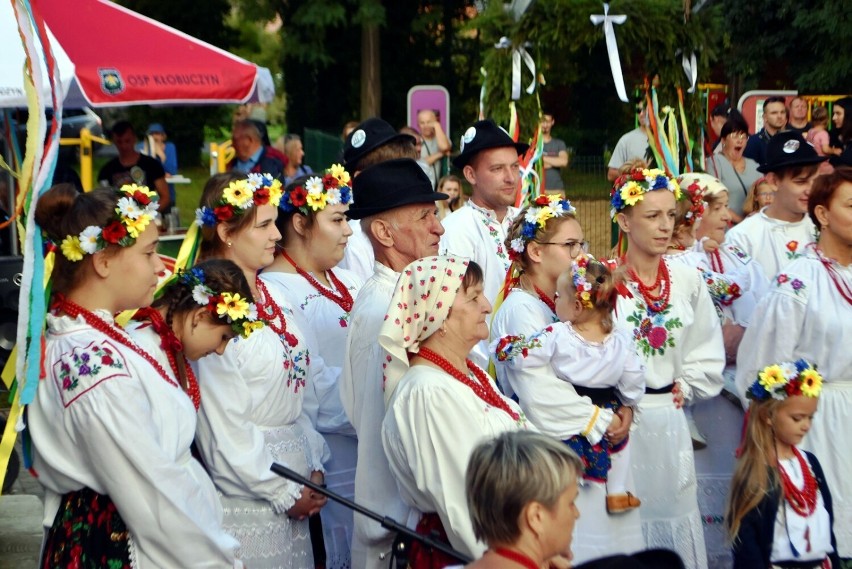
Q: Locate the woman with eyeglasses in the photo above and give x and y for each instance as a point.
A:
(728, 164)
(543, 242)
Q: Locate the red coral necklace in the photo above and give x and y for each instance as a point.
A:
(517, 557)
(343, 298)
(481, 385)
(271, 314)
(171, 346)
(655, 303)
(716, 262)
(551, 304)
(110, 330)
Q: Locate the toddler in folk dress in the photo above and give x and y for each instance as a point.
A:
(599, 361)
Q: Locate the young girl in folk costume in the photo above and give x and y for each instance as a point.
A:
(667, 309)
(312, 220)
(251, 406)
(111, 427)
(544, 241)
(779, 511)
(601, 364)
(198, 313)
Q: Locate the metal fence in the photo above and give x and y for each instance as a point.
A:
(587, 187)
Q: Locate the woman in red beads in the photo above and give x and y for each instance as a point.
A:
(111, 427)
(312, 220)
(667, 309)
(779, 508)
(251, 407)
(440, 405)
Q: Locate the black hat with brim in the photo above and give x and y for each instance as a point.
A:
(484, 135)
(787, 149)
(368, 136)
(388, 185)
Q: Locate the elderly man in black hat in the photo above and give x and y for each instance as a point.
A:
(780, 232)
(369, 143)
(489, 161)
(395, 203)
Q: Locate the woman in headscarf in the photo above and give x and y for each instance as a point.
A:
(440, 405)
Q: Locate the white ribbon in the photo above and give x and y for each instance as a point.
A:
(612, 47)
(690, 67)
(518, 54)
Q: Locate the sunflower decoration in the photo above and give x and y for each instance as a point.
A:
(239, 197)
(787, 379)
(535, 217)
(231, 308)
(135, 209)
(317, 192)
(630, 188)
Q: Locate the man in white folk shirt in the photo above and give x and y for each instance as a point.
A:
(395, 203)
(780, 232)
(477, 231)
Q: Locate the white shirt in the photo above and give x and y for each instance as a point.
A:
(104, 419)
(432, 425)
(358, 256)
(253, 389)
(474, 233)
(630, 146)
(550, 403)
(771, 242)
(610, 363)
(325, 325)
(683, 342)
(363, 399)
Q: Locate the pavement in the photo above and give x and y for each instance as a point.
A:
(21, 512)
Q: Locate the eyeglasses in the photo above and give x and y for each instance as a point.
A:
(738, 135)
(574, 247)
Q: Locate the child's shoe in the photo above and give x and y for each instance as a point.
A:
(618, 503)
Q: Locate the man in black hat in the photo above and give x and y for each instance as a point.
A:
(395, 203)
(369, 143)
(780, 232)
(489, 161)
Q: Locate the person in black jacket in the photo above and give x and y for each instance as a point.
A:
(779, 510)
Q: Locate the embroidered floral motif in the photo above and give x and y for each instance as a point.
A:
(795, 284)
(722, 290)
(87, 362)
(510, 347)
(792, 250)
(739, 253)
(653, 331)
(296, 364)
(486, 220)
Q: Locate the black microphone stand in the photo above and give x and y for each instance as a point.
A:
(388, 523)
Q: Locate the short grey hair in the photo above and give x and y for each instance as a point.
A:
(509, 472)
(249, 127)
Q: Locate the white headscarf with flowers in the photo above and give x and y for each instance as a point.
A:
(424, 294)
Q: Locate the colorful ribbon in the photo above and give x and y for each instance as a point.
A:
(612, 47)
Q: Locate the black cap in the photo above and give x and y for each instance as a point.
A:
(482, 136)
(390, 184)
(368, 136)
(787, 149)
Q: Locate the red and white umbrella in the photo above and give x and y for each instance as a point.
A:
(120, 58)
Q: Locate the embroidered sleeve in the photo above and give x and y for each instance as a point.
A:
(723, 290)
(791, 285)
(82, 369)
(518, 351)
(738, 253)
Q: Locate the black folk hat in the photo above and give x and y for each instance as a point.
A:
(482, 136)
(367, 136)
(388, 185)
(787, 149)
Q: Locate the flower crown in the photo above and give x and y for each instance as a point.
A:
(136, 207)
(330, 189)
(786, 379)
(582, 287)
(629, 188)
(695, 193)
(543, 208)
(230, 307)
(239, 197)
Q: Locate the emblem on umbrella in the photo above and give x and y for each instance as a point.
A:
(111, 81)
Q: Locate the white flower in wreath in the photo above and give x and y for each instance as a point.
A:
(201, 295)
(333, 197)
(314, 186)
(128, 207)
(517, 244)
(89, 239)
(252, 312)
(532, 215)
